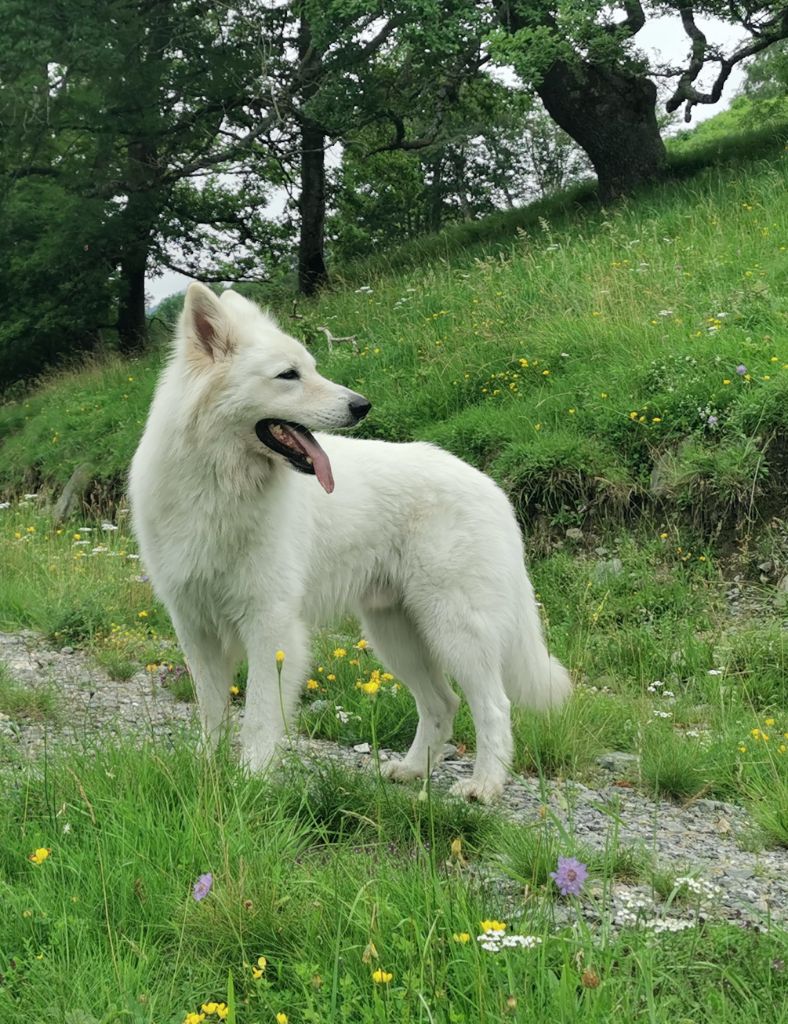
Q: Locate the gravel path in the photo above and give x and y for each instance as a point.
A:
(706, 838)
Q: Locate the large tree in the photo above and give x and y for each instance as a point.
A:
(126, 107)
(583, 61)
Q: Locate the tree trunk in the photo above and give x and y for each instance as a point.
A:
(612, 116)
(132, 324)
(312, 273)
(138, 221)
(435, 195)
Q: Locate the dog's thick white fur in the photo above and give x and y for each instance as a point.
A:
(248, 555)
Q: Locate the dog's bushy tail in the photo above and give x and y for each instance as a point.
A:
(533, 677)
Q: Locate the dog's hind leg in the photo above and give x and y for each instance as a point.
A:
(465, 639)
(396, 641)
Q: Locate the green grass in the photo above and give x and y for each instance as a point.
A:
(576, 355)
(29, 703)
(329, 886)
(630, 321)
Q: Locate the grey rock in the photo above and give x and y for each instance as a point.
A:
(607, 569)
(573, 533)
(617, 761)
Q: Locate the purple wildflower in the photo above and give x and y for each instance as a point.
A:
(741, 369)
(712, 421)
(569, 876)
(203, 886)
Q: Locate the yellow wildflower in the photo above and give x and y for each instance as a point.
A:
(361, 645)
(312, 684)
(280, 657)
(40, 855)
(493, 926)
(381, 977)
(281, 1018)
(461, 937)
(234, 691)
(768, 721)
(339, 652)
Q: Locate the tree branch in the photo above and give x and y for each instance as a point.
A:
(764, 34)
(207, 278)
(634, 21)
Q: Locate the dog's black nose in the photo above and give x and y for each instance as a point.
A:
(359, 407)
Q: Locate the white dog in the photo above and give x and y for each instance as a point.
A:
(249, 555)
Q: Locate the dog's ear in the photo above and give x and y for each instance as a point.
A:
(206, 323)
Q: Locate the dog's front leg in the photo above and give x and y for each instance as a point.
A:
(211, 666)
(273, 688)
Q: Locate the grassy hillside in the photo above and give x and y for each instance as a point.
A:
(601, 360)
(624, 374)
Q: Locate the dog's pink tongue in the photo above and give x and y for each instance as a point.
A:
(320, 463)
(322, 467)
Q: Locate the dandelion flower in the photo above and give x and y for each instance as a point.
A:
(202, 886)
(280, 657)
(339, 652)
(569, 876)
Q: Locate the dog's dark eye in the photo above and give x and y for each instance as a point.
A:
(289, 375)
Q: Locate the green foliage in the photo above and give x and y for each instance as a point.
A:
(39, 703)
(50, 315)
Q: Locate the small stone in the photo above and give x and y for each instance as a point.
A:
(617, 761)
(362, 748)
(573, 533)
(66, 650)
(740, 874)
(604, 570)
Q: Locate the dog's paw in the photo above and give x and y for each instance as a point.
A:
(486, 791)
(401, 771)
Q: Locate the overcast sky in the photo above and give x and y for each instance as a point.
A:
(663, 38)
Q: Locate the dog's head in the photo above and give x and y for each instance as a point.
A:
(265, 381)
